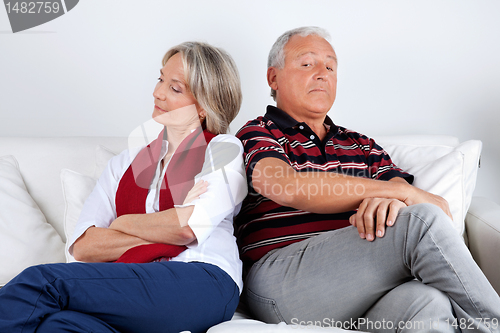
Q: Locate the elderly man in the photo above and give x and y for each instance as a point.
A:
(398, 267)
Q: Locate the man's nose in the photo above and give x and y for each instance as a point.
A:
(321, 73)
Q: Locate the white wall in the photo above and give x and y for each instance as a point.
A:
(417, 67)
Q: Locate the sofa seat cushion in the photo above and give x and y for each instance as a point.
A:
(253, 326)
(26, 238)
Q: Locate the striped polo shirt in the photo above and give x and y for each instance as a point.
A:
(263, 225)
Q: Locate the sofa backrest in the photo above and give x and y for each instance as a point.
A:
(41, 161)
(441, 165)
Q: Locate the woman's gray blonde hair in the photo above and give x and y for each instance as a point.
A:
(213, 79)
(277, 54)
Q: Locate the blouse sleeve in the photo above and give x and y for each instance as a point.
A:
(224, 171)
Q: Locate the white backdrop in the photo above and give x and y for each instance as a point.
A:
(405, 67)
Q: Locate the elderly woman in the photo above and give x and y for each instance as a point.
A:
(156, 233)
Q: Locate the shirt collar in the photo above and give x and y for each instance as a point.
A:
(284, 120)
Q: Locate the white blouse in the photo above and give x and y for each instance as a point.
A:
(212, 217)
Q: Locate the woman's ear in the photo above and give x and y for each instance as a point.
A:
(202, 114)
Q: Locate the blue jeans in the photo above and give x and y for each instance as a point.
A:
(338, 278)
(116, 297)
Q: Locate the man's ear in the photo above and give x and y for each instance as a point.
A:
(271, 78)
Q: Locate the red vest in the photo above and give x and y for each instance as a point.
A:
(184, 165)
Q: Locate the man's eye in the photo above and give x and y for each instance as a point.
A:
(306, 65)
(329, 68)
(159, 79)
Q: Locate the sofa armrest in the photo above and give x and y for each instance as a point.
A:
(483, 230)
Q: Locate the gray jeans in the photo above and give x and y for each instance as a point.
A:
(419, 277)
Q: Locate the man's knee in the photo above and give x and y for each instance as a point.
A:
(429, 297)
(410, 307)
(426, 214)
(423, 209)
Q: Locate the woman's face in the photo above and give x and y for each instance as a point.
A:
(174, 102)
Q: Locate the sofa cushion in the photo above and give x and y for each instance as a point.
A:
(252, 326)
(102, 157)
(41, 161)
(444, 177)
(446, 170)
(26, 238)
(76, 188)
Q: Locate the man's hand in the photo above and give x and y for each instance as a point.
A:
(373, 215)
(416, 196)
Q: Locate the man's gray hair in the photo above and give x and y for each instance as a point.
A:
(277, 54)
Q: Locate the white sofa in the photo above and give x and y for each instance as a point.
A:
(30, 236)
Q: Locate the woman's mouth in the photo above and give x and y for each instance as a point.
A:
(159, 109)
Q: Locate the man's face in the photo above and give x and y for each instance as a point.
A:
(307, 85)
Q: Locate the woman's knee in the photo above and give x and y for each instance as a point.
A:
(32, 274)
(72, 321)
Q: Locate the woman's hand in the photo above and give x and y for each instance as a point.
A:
(198, 189)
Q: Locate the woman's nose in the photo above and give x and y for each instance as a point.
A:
(158, 92)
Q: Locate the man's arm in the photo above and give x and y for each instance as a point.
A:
(329, 192)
